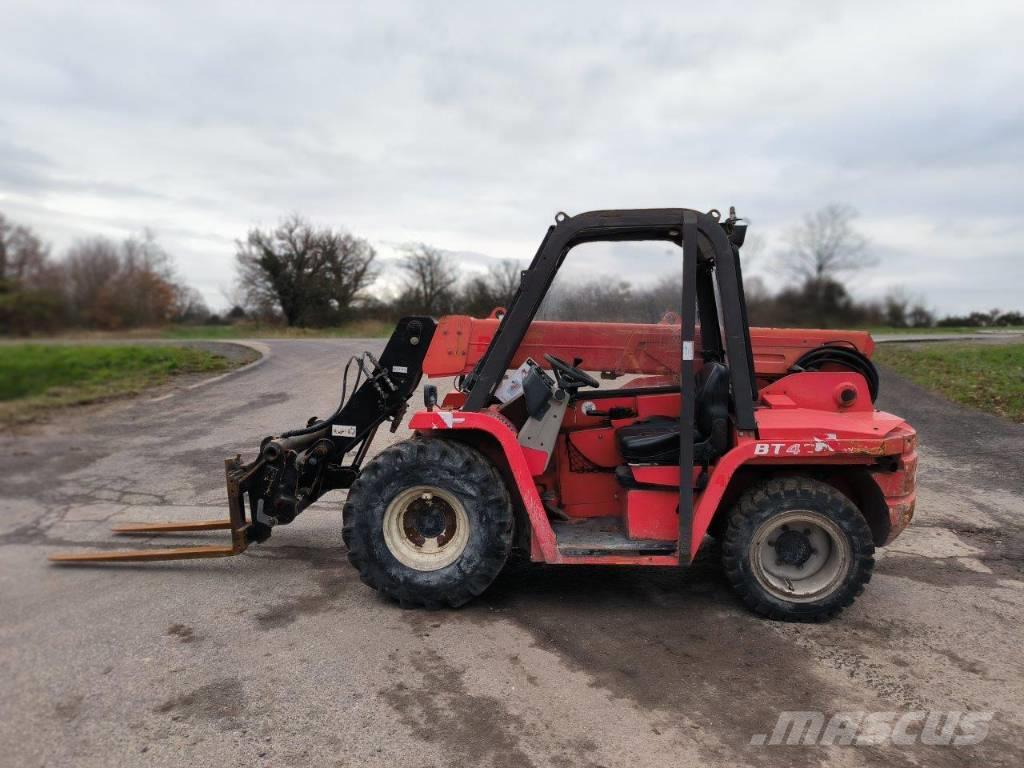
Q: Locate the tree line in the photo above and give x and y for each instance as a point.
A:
(311, 276)
(99, 283)
(300, 274)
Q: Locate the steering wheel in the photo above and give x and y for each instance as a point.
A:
(569, 376)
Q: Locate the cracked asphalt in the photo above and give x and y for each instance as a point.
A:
(282, 657)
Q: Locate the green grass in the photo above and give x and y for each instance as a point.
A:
(357, 329)
(982, 375)
(37, 377)
(887, 331)
(243, 330)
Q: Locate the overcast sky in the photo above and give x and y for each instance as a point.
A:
(469, 129)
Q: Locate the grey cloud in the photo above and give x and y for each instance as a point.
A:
(469, 128)
(21, 168)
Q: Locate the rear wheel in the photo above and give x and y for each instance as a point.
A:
(428, 523)
(797, 549)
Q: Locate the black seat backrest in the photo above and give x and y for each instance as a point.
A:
(711, 405)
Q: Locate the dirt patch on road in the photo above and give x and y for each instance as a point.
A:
(667, 641)
(183, 632)
(333, 577)
(223, 701)
(70, 707)
(474, 729)
(679, 644)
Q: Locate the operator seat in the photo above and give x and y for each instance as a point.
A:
(655, 439)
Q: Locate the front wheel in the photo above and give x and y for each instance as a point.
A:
(797, 549)
(428, 523)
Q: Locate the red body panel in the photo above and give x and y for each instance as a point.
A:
(597, 445)
(652, 514)
(802, 421)
(900, 486)
(460, 341)
(592, 493)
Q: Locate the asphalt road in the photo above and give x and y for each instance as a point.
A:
(282, 657)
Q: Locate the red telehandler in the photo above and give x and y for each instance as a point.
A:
(766, 439)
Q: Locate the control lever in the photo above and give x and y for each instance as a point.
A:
(615, 412)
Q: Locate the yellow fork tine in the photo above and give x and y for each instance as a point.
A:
(144, 555)
(184, 525)
(241, 532)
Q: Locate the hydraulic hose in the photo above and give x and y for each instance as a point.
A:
(317, 425)
(849, 358)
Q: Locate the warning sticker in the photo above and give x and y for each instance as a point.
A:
(343, 430)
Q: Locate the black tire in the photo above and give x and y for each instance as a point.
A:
(761, 513)
(455, 471)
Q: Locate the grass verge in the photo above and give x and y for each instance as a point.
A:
(35, 378)
(357, 329)
(243, 330)
(986, 376)
(958, 330)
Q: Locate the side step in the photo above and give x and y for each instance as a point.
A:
(604, 536)
(242, 533)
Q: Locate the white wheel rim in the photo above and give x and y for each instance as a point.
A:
(426, 528)
(800, 556)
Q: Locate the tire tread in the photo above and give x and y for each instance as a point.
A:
(453, 585)
(762, 501)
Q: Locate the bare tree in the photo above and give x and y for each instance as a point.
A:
(313, 275)
(122, 284)
(430, 280)
(189, 305)
(826, 245)
(92, 266)
(31, 284)
(483, 293)
(607, 299)
(147, 286)
(895, 308)
(234, 295)
(920, 316)
(23, 256)
(505, 277)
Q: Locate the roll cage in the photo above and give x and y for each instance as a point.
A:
(710, 250)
